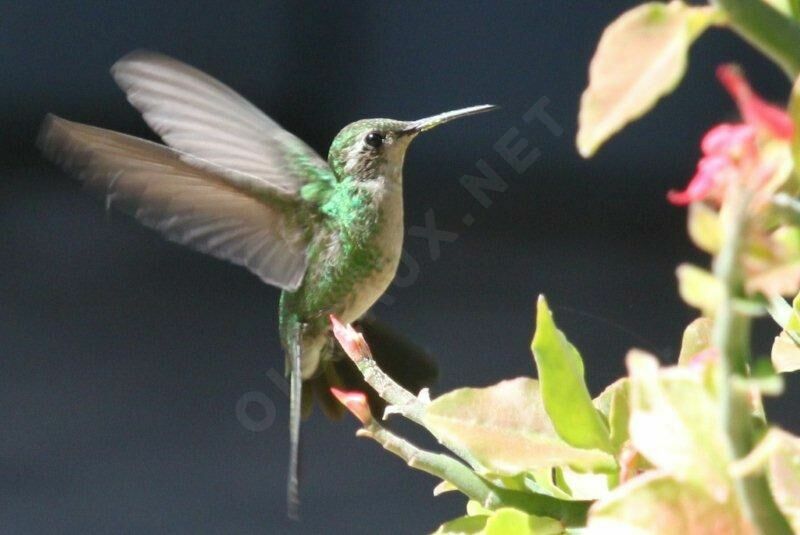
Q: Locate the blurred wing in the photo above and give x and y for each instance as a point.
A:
(199, 115)
(189, 205)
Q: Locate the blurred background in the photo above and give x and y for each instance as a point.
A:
(123, 357)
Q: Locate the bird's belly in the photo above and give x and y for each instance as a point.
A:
(389, 242)
(370, 290)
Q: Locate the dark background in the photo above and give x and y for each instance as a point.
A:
(122, 357)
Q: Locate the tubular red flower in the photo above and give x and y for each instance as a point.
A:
(731, 151)
(726, 137)
(754, 109)
(709, 170)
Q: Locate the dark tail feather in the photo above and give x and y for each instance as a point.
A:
(295, 407)
(401, 359)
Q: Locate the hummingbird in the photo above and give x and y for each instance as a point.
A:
(232, 183)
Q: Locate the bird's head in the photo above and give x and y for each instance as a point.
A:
(372, 149)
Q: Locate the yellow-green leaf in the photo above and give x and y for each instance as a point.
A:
(641, 57)
(699, 288)
(785, 354)
(503, 521)
(442, 487)
(696, 338)
(705, 228)
(506, 429)
(508, 521)
(465, 525)
(675, 423)
(779, 454)
(564, 394)
(614, 403)
(781, 5)
(657, 504)
(585, 486)
(786, 347)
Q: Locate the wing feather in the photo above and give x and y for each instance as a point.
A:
(199, 115)
(191, 205)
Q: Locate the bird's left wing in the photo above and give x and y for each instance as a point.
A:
(190, 201)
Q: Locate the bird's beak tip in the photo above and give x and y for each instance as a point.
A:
(427, 123)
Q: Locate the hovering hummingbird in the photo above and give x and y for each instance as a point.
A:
(232, 183)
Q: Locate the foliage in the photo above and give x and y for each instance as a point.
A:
(681, 448)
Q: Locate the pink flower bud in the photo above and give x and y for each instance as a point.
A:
(356, 402)
(351, 341)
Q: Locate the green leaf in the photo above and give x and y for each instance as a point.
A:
(442, 487)
(675, 423)
(506, 429)
(585, 486)
(564, 394)
(772, 33)
(786, 347)
(507, 521)
(503, 521)
(614, 403)
(705, 228)
(783, 314)
(783, 6)
(763, 379)
(541, 481)
(641, 57)
(465, 525)
(696, 338)
(476, 509)
(779, 454)
(655, 503)
(699, 288)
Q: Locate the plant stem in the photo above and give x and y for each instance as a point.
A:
(399, 399)
(774, 34)
(570, 513)
(732, 338)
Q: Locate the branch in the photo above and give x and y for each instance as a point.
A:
(731, 336)
(400, 400)
(570, 513)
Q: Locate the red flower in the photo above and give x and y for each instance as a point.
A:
(732, 150)
(754, 109)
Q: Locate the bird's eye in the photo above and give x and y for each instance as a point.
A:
(374, 139)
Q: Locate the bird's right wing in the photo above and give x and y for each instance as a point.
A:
(199, 115)
(201, 206)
